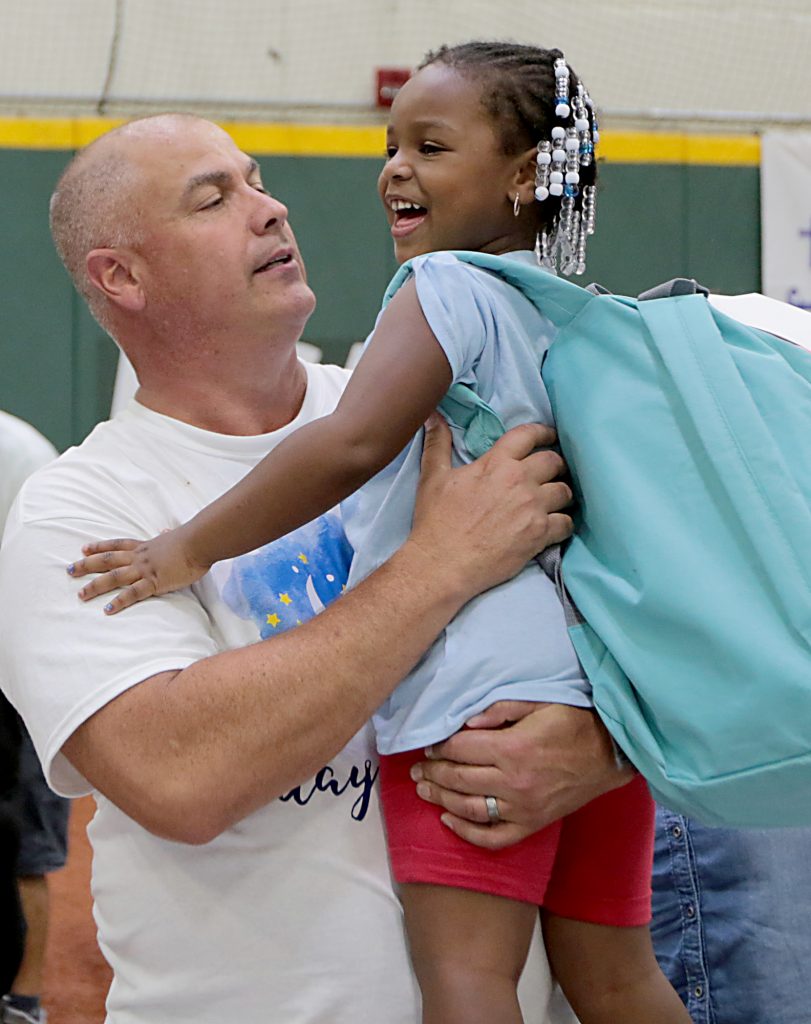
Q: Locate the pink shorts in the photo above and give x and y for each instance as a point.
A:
(594, 865)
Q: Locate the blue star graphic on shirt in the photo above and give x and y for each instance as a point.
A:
(288, 581)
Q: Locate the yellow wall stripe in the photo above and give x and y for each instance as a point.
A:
(679, 148)
(309, 139)
(260, 139)
(51, 133)
(369, 141)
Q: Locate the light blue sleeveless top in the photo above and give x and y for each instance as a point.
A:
(510, 643)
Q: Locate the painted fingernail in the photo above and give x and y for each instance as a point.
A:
(108, 607)
(71, 569)
(423, 790)
(417, 772)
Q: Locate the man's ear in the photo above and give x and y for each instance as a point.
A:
(112, 272)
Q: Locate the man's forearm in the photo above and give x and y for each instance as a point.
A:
(189, 753)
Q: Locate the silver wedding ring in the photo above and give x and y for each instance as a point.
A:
(491, 803)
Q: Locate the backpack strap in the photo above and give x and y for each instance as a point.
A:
(482, 426)
(678, 286)
(550, 560)
(747, 460)
(560, 301)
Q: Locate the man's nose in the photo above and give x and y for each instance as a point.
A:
(269, 212)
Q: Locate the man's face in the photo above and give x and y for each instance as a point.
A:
(216, 252)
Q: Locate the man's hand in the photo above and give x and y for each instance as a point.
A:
(483, 522)
(540, 761)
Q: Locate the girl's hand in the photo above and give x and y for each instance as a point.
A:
(142, 568)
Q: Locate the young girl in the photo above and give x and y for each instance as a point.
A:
(489, 148)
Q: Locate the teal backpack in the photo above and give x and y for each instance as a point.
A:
(688, 438)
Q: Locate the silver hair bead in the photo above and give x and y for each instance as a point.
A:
(590, 208)
(582, 239)
(562, 104)
(556, 175)
(545, 251)
(544, 163)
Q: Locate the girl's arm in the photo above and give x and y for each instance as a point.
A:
(402, 376)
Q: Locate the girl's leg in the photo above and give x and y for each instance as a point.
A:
(468, 950)
(468, 947)
(602, 874)
(610, 974)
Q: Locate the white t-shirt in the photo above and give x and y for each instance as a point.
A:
(22, 450)
(289, 916)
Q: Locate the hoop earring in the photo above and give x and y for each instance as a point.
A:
(516, 205)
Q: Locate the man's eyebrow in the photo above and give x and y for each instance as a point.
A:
(218, 178)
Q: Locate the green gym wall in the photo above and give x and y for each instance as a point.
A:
(669, 205)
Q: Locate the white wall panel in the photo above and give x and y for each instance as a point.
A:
(735, 56)
(54, 49)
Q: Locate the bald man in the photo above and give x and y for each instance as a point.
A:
(239, 867)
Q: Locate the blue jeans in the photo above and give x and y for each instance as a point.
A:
(732, 920)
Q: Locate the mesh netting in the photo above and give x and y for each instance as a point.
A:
(725, 60)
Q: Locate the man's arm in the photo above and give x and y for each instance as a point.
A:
(188, 754)
(548, 761)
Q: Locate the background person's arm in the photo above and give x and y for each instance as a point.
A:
(189, 753)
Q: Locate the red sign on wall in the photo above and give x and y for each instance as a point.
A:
(389, 83)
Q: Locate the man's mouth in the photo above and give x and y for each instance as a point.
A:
(276, 261)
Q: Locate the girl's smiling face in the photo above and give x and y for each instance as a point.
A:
(447, 182)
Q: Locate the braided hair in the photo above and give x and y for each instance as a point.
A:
(517, 87)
